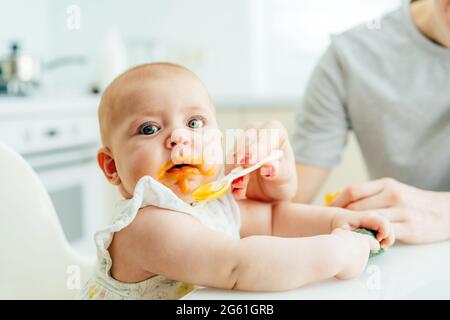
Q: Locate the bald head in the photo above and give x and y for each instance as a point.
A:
(111, 103)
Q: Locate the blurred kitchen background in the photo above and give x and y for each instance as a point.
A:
(56, 56)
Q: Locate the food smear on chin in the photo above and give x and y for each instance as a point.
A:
(179, 174)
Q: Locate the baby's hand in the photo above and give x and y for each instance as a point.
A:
(275, 180)
(371, 221)
(354, 252)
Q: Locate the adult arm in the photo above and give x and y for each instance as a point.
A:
(321, 126)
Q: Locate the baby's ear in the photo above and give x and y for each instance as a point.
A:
(108, 166)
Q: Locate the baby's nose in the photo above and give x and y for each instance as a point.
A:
(178, 138)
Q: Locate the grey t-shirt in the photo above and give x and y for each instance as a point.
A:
(391, 86)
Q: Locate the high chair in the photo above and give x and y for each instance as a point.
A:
(36, 261)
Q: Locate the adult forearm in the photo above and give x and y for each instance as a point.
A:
(310, 179)
(298, 220)
(273, 264)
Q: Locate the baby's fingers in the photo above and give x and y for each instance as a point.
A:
(376, 223)
(270, 169)
(389, 241)
(374, 244)
(383, 231)
(239, 187)
(240, 182)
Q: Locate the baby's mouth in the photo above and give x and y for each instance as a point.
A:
(184, 167)
(179, 174)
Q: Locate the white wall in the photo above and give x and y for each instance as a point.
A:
(240, 48)
(211, 37)
(26, 21)
(293, 34)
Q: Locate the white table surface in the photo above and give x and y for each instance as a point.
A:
(403, 272)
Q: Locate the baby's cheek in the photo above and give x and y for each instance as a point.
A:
(213, 155)
(143, 167)
(144, 172)
(212, 148)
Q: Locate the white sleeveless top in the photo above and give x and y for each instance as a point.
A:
(221, 215)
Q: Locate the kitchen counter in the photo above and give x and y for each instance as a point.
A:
(75, 102)
(250, 103)
(402, 272)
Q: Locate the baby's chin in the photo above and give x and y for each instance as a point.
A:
(183, 180)
(192, 183)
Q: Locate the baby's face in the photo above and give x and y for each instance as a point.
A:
(158, 129)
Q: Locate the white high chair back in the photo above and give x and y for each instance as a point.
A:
(36, 261)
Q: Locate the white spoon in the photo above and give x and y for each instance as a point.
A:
(214, 190)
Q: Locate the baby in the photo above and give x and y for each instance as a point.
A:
(153, 121)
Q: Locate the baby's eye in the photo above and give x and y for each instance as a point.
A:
(196, 123)
(148, 129)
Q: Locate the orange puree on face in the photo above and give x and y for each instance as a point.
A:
(180, 175)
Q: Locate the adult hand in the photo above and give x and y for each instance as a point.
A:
(417, 216)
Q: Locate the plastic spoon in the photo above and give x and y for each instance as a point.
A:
(214, 190)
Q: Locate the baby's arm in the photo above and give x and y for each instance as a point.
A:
(299, 220)
(285, 219)
(179, 247)
(288, 219)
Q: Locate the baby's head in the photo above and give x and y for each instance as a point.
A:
(153, 120)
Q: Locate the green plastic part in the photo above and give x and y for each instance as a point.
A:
(373, 234)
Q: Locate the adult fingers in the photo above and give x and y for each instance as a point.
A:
(392, 214)
(401, 232)
(358, 192)
(378, 201)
